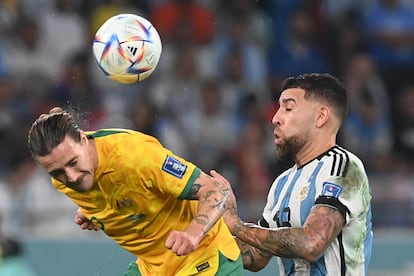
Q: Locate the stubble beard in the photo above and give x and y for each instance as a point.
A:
(289, 150)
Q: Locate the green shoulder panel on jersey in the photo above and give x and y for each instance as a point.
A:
(105, 132)
(191, 180)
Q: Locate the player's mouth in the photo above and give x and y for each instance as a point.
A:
(278, 139)
(77, 185)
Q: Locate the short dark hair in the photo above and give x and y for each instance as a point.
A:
(49, 130)
(321, 86)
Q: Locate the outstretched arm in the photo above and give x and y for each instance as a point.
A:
(212, 197)
(254, 259)
(308, 242)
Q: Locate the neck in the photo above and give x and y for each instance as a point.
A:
(313, 149)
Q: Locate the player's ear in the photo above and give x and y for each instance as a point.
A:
(83, 137)
(323, 116)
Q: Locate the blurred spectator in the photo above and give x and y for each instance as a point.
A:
(76, 89)
(176, 95)
(344, 35)
(28, 204)
(253, 168)
(236, 39)
(393, 200)
(12, 260)
(35, 9)
(8, 17)
(404, 125)
(209, 130)
(389, 28)
(367, 129)
(280, 11)
(143, 116)
(183, 22)
(105, 9)
(64, 32)
(10, 117)
(235, 84)
(298, 52)
(256, 23)
(25, 54)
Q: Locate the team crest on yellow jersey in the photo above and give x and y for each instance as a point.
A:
(124, 203)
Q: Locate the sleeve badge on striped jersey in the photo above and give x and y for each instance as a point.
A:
(331, 189)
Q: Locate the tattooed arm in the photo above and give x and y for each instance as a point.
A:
(309, 242)
(212, 197)
(254, 259)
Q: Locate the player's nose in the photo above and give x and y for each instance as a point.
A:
(276, 118)
(71, 175)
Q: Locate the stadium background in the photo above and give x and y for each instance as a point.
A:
(210, 100)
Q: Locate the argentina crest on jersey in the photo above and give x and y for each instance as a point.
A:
(174, 166)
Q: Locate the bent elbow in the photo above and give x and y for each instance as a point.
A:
(313, 252)
(311, 258)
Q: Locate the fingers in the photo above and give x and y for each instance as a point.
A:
(216, 175)
(84, 223)
(180, 243)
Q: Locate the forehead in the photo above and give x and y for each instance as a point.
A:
(295, 94)
(59, 155)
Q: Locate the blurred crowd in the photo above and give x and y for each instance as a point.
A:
(213, 94)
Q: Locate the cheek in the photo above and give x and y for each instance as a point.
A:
(300, 123)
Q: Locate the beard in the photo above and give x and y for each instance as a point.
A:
(290, 148)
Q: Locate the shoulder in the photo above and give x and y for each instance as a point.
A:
(105, 132)
(341, 162)
(346, 170)
(119, 133)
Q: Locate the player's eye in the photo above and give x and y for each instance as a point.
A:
(56, 174)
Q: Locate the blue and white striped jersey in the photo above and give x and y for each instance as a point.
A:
(336, 178)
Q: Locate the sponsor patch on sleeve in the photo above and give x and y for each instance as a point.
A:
(174, 167)
(331, 189)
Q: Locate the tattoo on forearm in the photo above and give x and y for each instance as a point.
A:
(192, 193)
(247, 254)
(309, 241)
(202, 219)
(284, 239)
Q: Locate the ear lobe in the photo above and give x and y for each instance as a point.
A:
(323, 116)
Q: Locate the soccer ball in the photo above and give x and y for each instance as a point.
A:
(127, 48)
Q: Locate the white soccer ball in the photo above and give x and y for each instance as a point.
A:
(127, 48)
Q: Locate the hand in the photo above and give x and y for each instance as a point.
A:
(181, 242)
(85, 224)
(230, 216)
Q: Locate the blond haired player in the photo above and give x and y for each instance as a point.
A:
(154, 204)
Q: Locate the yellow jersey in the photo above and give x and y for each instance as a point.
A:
(137, 200)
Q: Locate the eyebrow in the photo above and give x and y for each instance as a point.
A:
(58, 170)
(287, 100)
